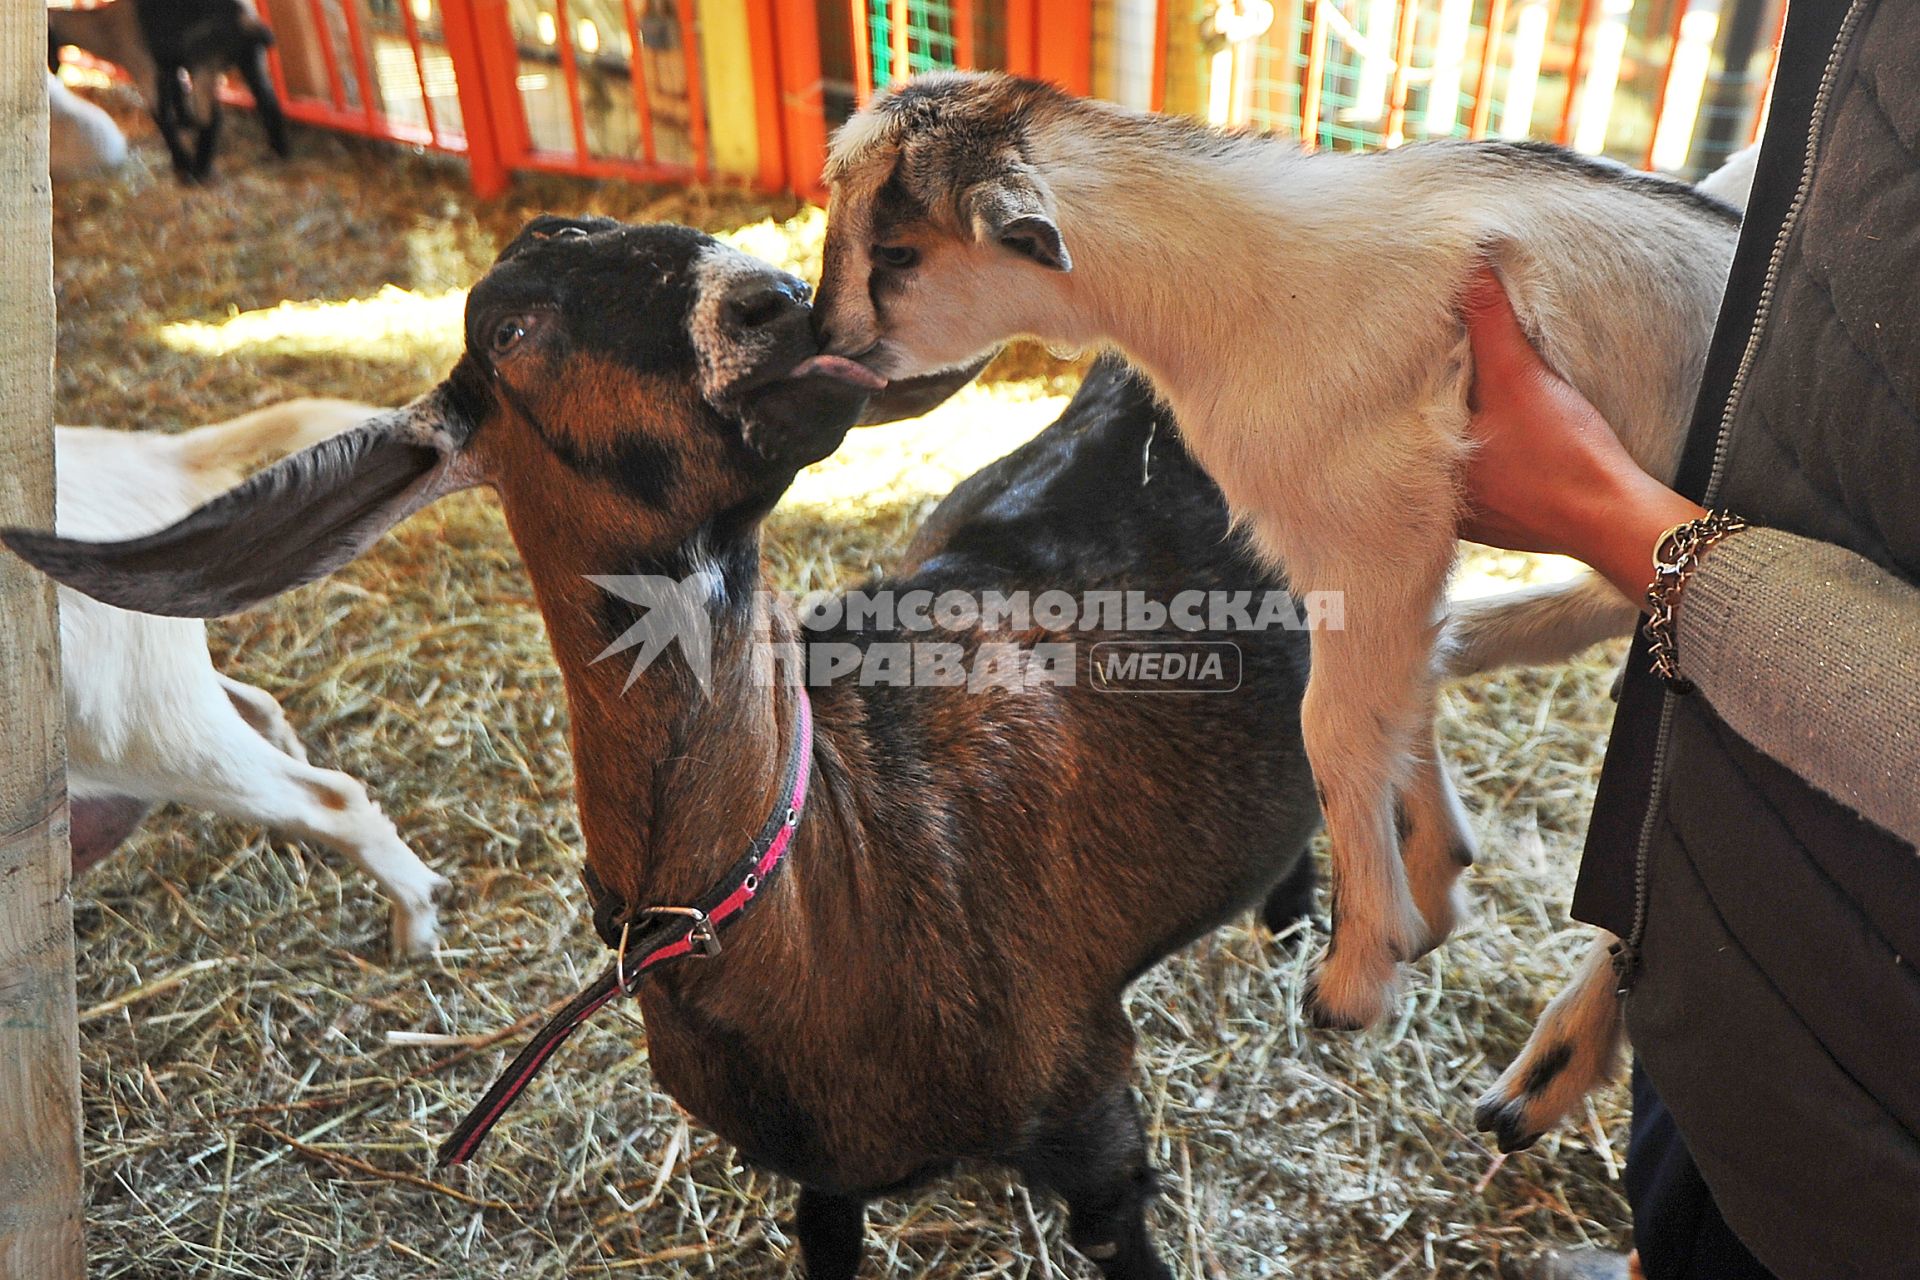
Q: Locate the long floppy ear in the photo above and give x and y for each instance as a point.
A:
(294, 522)
(1014, 209)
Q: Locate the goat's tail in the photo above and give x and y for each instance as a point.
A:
(1733, 181)
(222, 455)
(1533, 625)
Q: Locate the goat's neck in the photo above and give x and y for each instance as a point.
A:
(672, 779)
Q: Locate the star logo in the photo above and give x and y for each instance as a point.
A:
(671, 611)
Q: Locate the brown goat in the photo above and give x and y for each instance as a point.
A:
(937, 975)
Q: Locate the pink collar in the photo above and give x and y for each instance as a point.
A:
(651, 937)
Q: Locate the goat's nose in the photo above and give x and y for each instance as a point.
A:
(756, 304)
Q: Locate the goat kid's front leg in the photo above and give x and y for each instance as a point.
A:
(832, 1231)
(1370, 690)
(172, 117)
(1574, 1048)
(204, 94)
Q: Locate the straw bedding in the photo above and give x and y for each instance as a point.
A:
(264, 1089)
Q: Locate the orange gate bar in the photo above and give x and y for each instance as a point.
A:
(419, 65)
(1580, 33)
(1489, 59)
(696, 90)
(350, 9)
(1402, 56)
(1310, 78)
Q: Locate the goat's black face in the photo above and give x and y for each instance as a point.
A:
(579, 314)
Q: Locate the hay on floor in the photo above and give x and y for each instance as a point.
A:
(264, 1089)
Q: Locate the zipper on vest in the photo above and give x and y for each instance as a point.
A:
(1626, 954)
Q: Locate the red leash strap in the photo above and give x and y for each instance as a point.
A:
(519, 1074)
(673, 933)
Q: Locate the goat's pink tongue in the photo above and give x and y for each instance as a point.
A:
(841, 368)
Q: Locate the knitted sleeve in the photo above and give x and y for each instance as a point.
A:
(1812, 654)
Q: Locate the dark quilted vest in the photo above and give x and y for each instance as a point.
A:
(1775, 999)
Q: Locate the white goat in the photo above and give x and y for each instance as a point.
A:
(1298, 312)
(149, 719)
(82, 140)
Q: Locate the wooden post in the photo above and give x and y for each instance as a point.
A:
(40, 1216)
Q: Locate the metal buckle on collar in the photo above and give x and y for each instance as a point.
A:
(702, 940)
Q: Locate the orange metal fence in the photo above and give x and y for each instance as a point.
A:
(746, 91)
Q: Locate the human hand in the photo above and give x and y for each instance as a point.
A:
(1547, 473)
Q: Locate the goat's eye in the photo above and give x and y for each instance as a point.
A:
(900, 257)
(508, 333)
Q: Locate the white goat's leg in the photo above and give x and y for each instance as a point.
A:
(1574, 1048)
(257, 782)
(1370, 687)
(263, 714)
(1533, 626)
(1436, 839)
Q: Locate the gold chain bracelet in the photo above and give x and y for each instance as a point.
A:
(1675, 556)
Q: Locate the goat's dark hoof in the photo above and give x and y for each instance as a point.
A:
(1506, 1120)
(1323, 1018)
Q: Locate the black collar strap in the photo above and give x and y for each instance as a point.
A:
(654, 936)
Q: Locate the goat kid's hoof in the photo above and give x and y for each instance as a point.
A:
(1351, 986)
(1506, 1119)
(1326, 1014)
(415, 930)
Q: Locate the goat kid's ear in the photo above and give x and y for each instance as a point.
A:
(289, 525)
(1014, 209)
(910, 397)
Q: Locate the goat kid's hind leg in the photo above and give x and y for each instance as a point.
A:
(1533, 626)
(253, 70)
(1097, 1162)
(254, 781)
(832, 1231)
(263, 715)
(1370, 688)
(1574, 1048)
(1436, 840)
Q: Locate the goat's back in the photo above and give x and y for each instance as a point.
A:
(1615, 274)
(1151, 815)
(1330, 312)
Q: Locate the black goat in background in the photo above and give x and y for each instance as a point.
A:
(176, 52)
